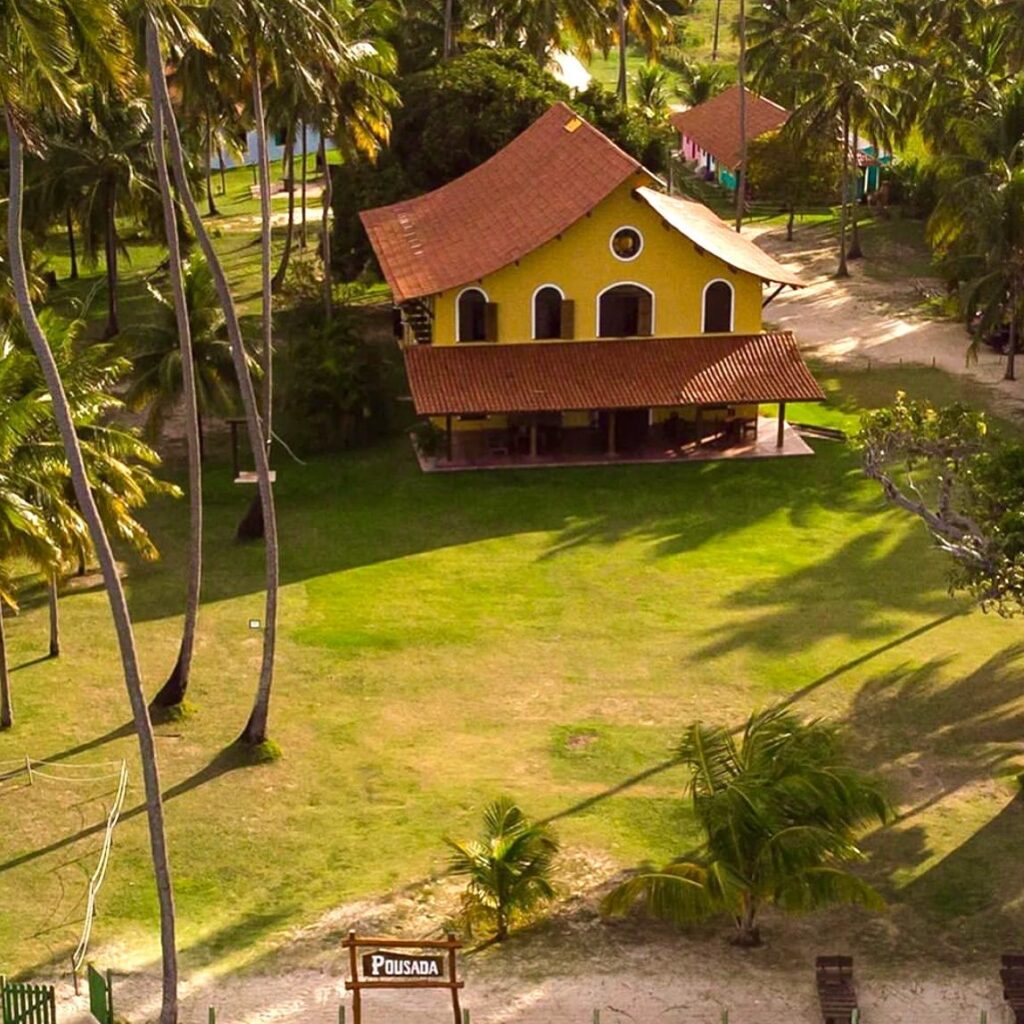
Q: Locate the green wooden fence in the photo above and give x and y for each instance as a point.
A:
(101, 995)
(24, 1003)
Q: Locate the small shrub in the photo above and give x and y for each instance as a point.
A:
(430, 438)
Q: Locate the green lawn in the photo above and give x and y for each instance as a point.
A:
(446, 638)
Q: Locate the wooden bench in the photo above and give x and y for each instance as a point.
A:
(1012, 977)
(836, 991)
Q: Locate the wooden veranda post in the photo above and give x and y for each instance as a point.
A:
(781, 439)
(611, 433)
(448, 437)
(354, 969)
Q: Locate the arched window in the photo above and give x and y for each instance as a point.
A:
(547, 312)
(472, 311)
(718, 308)
(625, 311)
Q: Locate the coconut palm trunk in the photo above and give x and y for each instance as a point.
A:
(53, 598)
(255, 731)
(105, 556)
(266, 225)
(305, 178)
(449, 29)
(718, 25)
(741, 170)
(113, 320)
(286, 255)
(325, 233)
(844, 270)
(855, 251)
(211, 206)
(172, 693)
(72, 246)
(223, 170)
(6, 705)
(621, 89)
(1011, 355)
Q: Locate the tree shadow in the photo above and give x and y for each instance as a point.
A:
(227, 760)
(345, 512)
(858, 593)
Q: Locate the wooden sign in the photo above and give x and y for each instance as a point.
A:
(402, 965)
(382, 967)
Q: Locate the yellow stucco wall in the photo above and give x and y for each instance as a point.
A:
(581, 263)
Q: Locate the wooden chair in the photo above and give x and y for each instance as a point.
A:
(836, 991)
(1012, 977)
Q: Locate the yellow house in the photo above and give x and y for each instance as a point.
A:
(557, 305)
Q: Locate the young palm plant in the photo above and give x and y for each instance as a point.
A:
(508, 867)
(781, 810)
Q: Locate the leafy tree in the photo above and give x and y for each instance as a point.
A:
(334, 390)
(966, 485)
(508, 868)
(700, 83)
(795, 171)
(781, 809)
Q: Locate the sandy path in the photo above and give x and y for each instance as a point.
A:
(864, 319)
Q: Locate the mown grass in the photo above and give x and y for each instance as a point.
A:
(547, 634)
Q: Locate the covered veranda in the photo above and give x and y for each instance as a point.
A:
(621, 400)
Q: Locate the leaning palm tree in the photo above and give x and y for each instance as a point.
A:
(509, 868)
(255, 731)
(41, 41)
(781, 810)
(648, 23)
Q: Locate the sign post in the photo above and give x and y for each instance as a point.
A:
(433, 966)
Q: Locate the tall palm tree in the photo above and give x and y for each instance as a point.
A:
(978, 224)
(508, 867)
(39, 45)
(781, 810)
(741, 174)
(255, 732)
(648, 23)
(849, 83)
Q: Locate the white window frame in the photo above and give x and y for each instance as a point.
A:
(533, 308)
(611, 243)
(704, 306)
(622, 284)
(458, 312)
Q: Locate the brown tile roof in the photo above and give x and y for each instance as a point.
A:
(541, 183)
(715, 125)
(708, 231)
(608, 374)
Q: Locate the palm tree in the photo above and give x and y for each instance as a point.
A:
(102, 157)
(851, 51)
(158, 383)
(647, 22)
(508, 867)
(650, 90)
(41, 41)
(781, 810)
(541, 26)
(255, 732)
(24, 532)
(978, 225)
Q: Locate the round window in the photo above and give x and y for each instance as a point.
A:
(627, 243)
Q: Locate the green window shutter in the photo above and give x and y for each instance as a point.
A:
(645, 315)
(491, 322)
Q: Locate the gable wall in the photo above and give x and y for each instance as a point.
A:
(582, 265)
